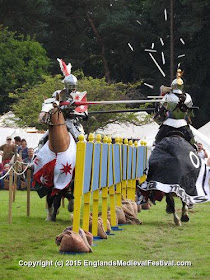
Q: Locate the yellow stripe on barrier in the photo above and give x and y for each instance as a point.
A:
(78, 182)
(111, 191)
(124, 182)
(125, 188)
(118, 185)
(87, 199)
(129, 185)
(143, 178)
(95, 197)
(104, 194)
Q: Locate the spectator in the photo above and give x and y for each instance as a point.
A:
(30, 156)
(17, 141)
(201, 151)
(30, 160)
(208, 162)
(4, 183)
(8, 150)
(1, 167)
(23, 149)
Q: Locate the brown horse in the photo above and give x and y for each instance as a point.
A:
(59, 142)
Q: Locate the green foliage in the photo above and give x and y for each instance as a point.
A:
(97, 89)
(64, 28)
(22, 63)
(29, 101)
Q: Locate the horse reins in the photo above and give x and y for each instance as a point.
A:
(48, 121)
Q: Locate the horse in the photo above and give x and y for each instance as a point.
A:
(55, 175)
(176, 169)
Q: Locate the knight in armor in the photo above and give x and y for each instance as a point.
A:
(67, 96)
(175, 111)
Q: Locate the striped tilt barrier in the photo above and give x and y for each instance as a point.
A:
(108, 172)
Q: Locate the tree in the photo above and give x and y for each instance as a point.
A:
(22, 63)
(28, 17)
(98, 89)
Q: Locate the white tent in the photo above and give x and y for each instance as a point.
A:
(8, 127)
(205, 130)
(145, 132)
(32, 139)
(128, 130)
(201, 138)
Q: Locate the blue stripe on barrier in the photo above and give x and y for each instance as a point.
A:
(110, 179)
(129, 163)
(121, 158)
(140, 159)
(96, 167)
(134, 163)
(104, 165)
(116, 153)
(88, 167)
(124, 161)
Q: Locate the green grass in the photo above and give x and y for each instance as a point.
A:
(32, 239)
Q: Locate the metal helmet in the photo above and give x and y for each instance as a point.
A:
(178, 84)
(70, 82)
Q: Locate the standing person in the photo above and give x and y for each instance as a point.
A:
(30, 156)
(17, 141)
(8, 150)
(201, 151)
(23, 149)
(30, 160)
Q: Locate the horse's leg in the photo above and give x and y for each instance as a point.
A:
(171, 209)
(170, 206)
(49, 207)
(56, 205)
(185, 216)
(70, 198)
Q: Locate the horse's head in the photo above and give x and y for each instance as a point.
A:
(48, 107)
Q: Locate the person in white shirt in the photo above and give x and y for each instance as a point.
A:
(201, 151)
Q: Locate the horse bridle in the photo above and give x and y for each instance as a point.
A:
(50, 114)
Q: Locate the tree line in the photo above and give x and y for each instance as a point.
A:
(106, 39)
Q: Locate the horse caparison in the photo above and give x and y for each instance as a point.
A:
(59, 141)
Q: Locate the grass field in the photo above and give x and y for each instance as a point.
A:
(32, 239)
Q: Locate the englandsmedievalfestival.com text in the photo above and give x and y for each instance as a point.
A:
(98, 263)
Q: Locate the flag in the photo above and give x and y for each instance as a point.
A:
(80, 96)
(55, 169)
(174, 166)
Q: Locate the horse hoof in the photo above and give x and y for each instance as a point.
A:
(71, 205)
(169, 210)
(185, 218)
(177, 222)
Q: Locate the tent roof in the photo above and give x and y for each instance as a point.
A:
(128, 130)
(205, 129)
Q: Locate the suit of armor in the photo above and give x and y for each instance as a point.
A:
(176, 107)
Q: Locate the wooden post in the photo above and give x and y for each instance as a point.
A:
(14, 183)
(15, 175)
(10, 195)
(28, 191)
